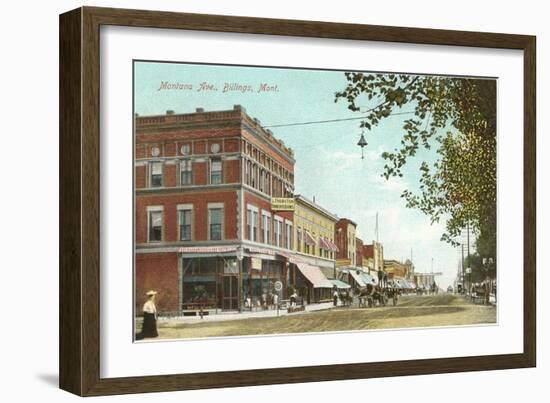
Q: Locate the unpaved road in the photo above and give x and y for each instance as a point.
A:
(411, 311)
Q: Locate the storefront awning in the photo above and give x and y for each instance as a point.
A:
(368, 278)
(340, 284)
(207, 249)
(323, 244)
(358, 278)
(332, 245)
(314, 275)
(309, 239)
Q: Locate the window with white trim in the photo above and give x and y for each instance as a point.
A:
(288, 238)
(252, 218)
(155, 223)
(266, 227)
(185, 224)
(216, 172)
(156, 174)
(215, 221)
(278, 231)
(186, 172)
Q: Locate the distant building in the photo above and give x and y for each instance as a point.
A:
(396, 269)
(345, 234)
(373, 256)
(359, 252)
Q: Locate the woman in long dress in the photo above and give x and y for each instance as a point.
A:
(149, 328)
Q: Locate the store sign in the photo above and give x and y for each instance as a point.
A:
(282, 204)
(256, 263)
(343, 262)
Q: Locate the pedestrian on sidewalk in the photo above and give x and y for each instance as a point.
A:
(149, 328)
(293, 299)
(335, 297)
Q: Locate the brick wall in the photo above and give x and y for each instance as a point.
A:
(170, 175)
(159, 272)
(232, 171)
(140, 176)
(199, 201)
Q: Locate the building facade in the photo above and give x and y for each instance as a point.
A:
(205, 233)
(396, 269)
(373, 256)
(314, 250)
(345, 238)
(359, 252)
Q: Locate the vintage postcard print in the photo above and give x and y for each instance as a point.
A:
(273, 200)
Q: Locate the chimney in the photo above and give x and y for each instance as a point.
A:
(238, 108)
(169, 112)
(199, 110)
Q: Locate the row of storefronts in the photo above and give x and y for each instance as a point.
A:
(218, 226)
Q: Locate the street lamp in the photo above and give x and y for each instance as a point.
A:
(362, 143)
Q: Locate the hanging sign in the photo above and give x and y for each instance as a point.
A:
(256, 263)
(282, 204)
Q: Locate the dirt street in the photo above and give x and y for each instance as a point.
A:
(411, 311)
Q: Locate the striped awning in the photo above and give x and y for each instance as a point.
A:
(332, 245)
(323, 244)
(309, 239)
(314, 275)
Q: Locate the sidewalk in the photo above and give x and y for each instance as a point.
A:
(225, 316)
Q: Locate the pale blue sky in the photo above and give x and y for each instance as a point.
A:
(328, 160)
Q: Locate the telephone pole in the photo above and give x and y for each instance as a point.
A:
(469, 262)
(463, 275)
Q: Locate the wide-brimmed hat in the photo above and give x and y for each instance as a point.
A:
(151, 292)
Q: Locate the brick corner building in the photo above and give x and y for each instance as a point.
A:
(204, 229)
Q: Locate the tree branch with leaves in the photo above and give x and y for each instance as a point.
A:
(457, 117)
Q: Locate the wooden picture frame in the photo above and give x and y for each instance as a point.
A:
(79, 348)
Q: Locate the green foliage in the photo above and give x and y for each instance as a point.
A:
(480, 271)
(456, 116)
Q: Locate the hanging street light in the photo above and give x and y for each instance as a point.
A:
(362, 143)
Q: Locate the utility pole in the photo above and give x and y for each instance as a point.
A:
(469, 261)
(463, 276)
(376, 227)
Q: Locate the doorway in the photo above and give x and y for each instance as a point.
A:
(230, 292)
